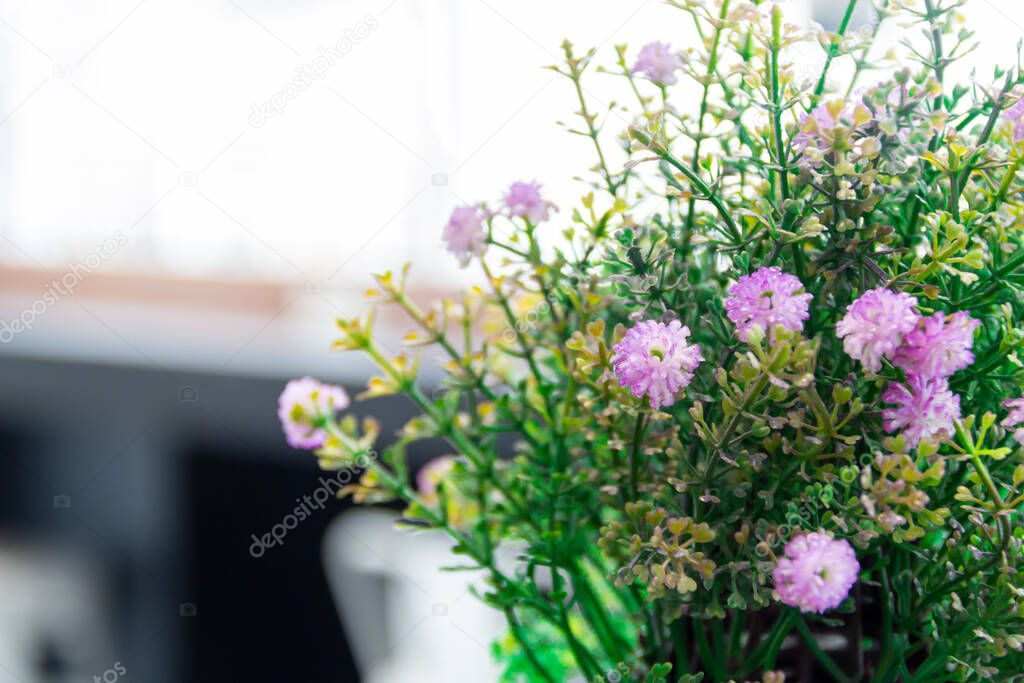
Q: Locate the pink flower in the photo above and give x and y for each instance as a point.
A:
(1015, 117)
(465, 233)
(938, 346)
(658, 63)
(303, 407)
(524, 200)
(1015, 418)
(816, 573)
(431, 474)
(874, 325)
(925, 409)
(766, 298)
(656, 360)
(816, 128)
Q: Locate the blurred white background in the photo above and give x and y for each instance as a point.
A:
(177, 130)
(138, 116)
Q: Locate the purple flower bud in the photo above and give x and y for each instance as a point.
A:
(524, 200)
(659, 63)
(303, 405)
(465, 234)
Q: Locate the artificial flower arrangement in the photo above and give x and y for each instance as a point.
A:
(752, 408)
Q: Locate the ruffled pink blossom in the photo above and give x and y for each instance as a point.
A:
(659, 63)
(656, 360)
(816, 573)
(525, 200)
(938, 346)
(303, 407)
(465, 233)
(874, 325)
(766, 298)
(925, 409)
(1015, 117)
(1015, 418)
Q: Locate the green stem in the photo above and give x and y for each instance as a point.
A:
(963, 176)
(939, 63)
(588, 666)
(634, 456)
(517, 633)
(575, 74)
(457, 438)
(749, 397)
(886, 634)
(712, 68)
(766, 653)
(833, 50)
(526, 349)
(1005, 533)
(735, 633)
(708, 659)
(819, 654)
(718, 644)
(478, 380)
(614, 644)
(697, 183)
(780, 150)
(682, 648)
(1004, 187)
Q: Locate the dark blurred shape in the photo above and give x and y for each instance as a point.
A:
(266, 618)
(52, 666)
(128, 510)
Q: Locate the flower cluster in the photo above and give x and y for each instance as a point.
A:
(823, 130)
(737, 371)
(854, 142)
(767, 298)
(467, 232)
(929, 349)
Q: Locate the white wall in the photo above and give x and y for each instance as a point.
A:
(110, 106)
